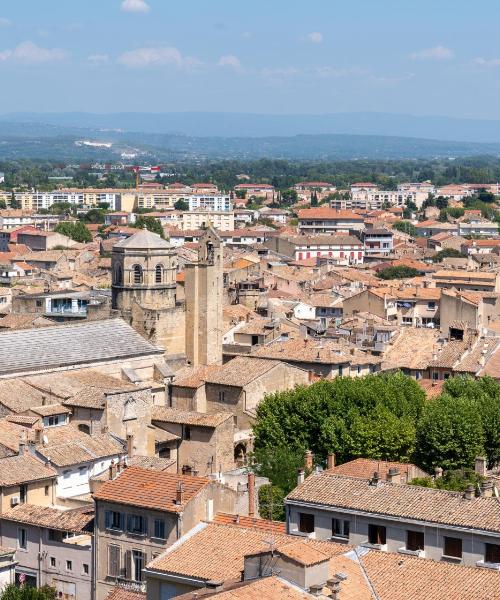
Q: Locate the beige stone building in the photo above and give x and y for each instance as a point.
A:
(144, 268)
(204, 291)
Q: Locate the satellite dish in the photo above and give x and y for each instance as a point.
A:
(45, 440)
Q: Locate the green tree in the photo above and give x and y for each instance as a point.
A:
(447, 253)
(314, 199)
(75, 230)
(398, 272)
(455, 480)
(405, 227)
(149, 223)
(181, 204)
(95, 215)
(289, 197)
(14, 202)
(272, 502)
(3, 206)
(12, 592)
(449, 434)
(441, 202)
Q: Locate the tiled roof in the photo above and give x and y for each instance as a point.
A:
(240, 371)
(198, 419)
(250, 522)
(26, 321)
(224, 548)
(68, 446)
(193, 377)
(328, 213)
(150, 489)
(78, 520)
(395, 577)
(413, 348)
(121, 593)
(401, 501)
(302, 553)
(365, 467)
(53, 347)
(266, 588)
(50, 409)
(18, 396)
(23, 468)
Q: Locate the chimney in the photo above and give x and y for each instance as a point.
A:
(251, 494)
(480, 466)
(486, 489)
(130, 445)
(393, 475)
(179, 494)
(112, 470)
(38, 435)
(375, 480)
(438, 472)
(316, 590)
(469, 493)
(300, 476)
(308, 462)
(330, 461)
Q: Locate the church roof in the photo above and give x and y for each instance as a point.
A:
(143, 239)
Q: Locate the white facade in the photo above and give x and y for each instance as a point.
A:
(376, 199)
(216, 203)
(74, 480)
(352, 253)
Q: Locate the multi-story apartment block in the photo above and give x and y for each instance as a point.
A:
(199, 219)
(394, 517)
(328, 220)
(377, 241)
(259, 190)
(344, 249)
(214, 203)
(371, 199)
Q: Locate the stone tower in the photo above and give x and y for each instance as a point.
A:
(204, 290)
(144, 269)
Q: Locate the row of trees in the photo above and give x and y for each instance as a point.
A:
(385, 417)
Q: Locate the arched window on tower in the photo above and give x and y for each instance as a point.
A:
(137, 269)
(158, 273)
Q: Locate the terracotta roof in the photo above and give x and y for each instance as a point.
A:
(150, 489)
(302, 553)
(18, 396)
(266, 588)
(365, 467)
(402, 501)
(240, 371)
(121, 593)
(249, 522)
(328, 213)
(78, 520)
(396, 577)
(192, 377)
(23, 468)
(50, 409)
(198, 419)
(224, 548)
(432, 387)
(413, 348)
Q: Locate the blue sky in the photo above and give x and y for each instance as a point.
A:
(424, 57)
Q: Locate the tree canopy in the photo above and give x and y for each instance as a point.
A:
(181, 204)
(398, 272)
(447, 253)
(149, 223)
(25, 592)
(75, 230)
(406, 227)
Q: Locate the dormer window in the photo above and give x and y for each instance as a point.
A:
(137, 274)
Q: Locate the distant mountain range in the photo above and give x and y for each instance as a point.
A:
(198, 136)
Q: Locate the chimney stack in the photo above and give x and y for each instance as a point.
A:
(393, 475)
(130, 445)
(179, 494)
(112, 470)
(308, 463)
(486, 489)
(300, 476)
(480, 466)
(375, 480)
(438, 472)
(469, 493)
(251, 494)
(330, 461)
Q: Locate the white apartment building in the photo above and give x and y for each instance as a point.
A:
(220, 220)
(86, 197)
(210, 203)
(376, 199)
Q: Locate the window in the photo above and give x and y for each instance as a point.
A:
(137, 524)
(69, 565)
(22, 538)
(84, 428)
(113, 560)
(85, 569)
(492, 553)
(376, 534)
(340, 528)
(222, 396)
(53, 562)
(39, 303)
(186, 432)
(137, 269)
(114, 520)
(54, 535)
(47, 489)
(160, 529)
(414, 540)
(435, 375)
(164, 453)
(158, 273)
(23, 493)
(431, 305)
(453, 547)
(138, 563)
(306, 523)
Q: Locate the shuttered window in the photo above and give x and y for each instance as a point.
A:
(306, 523)
(113, 560)
(137, 524)
(492, 553)
(376, 534)
(414, 540)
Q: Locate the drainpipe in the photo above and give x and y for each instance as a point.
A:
(40, 583)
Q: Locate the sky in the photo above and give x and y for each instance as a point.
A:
(422, 57)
